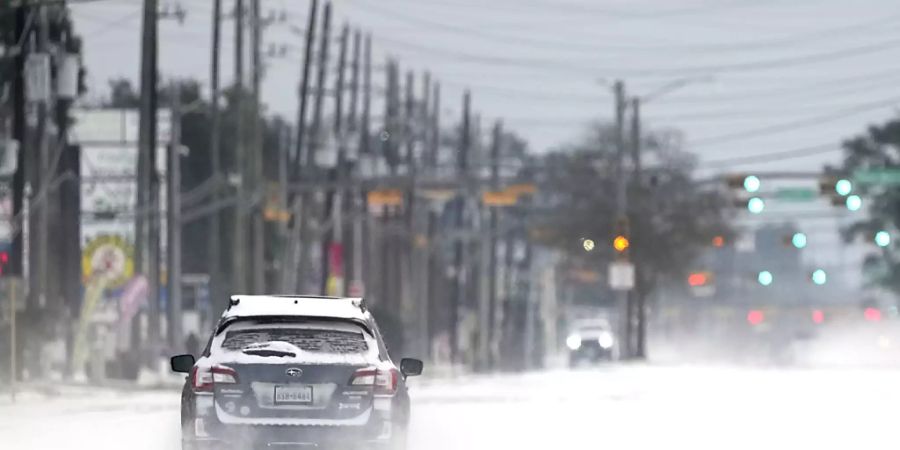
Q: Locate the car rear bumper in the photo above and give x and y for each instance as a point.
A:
(210, 433)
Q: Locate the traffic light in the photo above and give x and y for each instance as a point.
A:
(752, 184)
(882, 238)
(718, 241)
(765, 278)
(854, 202)
(756, 205)
(819, 277)
(798, 240)
(697, 279)
(749, 183)
(620, 243)
(843, 187)
(4, 261)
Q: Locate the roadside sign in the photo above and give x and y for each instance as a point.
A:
(796, 194)
(877, 176)
(275, 214)
(522, 188)
(621, 276)
(499, 198)
(386, 197)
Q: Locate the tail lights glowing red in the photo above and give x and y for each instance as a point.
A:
(872, 314)
(756, 317)
(818, 316)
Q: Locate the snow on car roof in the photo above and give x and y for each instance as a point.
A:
(283, 305)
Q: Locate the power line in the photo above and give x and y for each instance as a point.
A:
(771, 156)
(559, 46)
(793, 125)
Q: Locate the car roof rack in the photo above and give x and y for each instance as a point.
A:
(358, 302)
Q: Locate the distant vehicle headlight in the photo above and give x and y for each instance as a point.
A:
(573, 342)
(605, 340)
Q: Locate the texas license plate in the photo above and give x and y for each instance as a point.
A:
(293, 395)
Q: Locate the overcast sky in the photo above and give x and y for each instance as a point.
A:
(789, 77)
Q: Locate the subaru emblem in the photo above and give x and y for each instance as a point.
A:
(294, 372)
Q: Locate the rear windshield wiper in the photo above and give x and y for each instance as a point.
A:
(269, 352)
(270, 349)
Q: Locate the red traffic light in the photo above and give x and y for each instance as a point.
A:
(872, 314)
(818, 316)
(755, 317)
(4, 257)
(698, 279)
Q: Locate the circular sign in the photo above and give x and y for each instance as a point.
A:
(110, 257)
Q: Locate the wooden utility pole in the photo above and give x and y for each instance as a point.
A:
(493, 219)
(239, 274)
(362, 237)
(256, 151)
(293, 254)
(315, 142)
(639, 293)
(146, 256)
(625, 306)
(333, 250)
(458, 287)
(173, 227)
(214, 238)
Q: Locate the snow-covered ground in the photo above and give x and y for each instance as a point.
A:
(621, 407)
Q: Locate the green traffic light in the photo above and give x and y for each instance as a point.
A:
(843, 187)
(765, 278)
(752, 184)
(819, 277)
(799, 240)
(854, 203)
(756, 205)
(882, 238)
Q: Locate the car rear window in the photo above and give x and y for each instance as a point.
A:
(306, 339)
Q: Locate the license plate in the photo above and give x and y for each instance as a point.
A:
(293, 395)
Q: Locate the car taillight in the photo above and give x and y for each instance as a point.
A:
(224, 375)
(384, 381)
(204, 378)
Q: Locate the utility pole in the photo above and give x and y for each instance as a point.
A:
(239, 257)
(432, 145)
(354, 200)
(409, 269)
(258, 245)
(145, 256)
(333, 267)
(307, 207)
(362, 237)
(293, 254)
(458, 286)
(214, 240)
(639, 293)
(621, 211)
(493, 220)
(173, 228)
(422, 251)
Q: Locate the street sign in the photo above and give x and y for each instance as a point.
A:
(621, 276)
(275, 214)
(877, 176)
(796, 194)
(499, 198)
(386, 197)
(522, 188)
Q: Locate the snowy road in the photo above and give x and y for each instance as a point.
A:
(613, 407)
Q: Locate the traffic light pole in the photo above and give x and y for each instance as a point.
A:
(622, 299)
